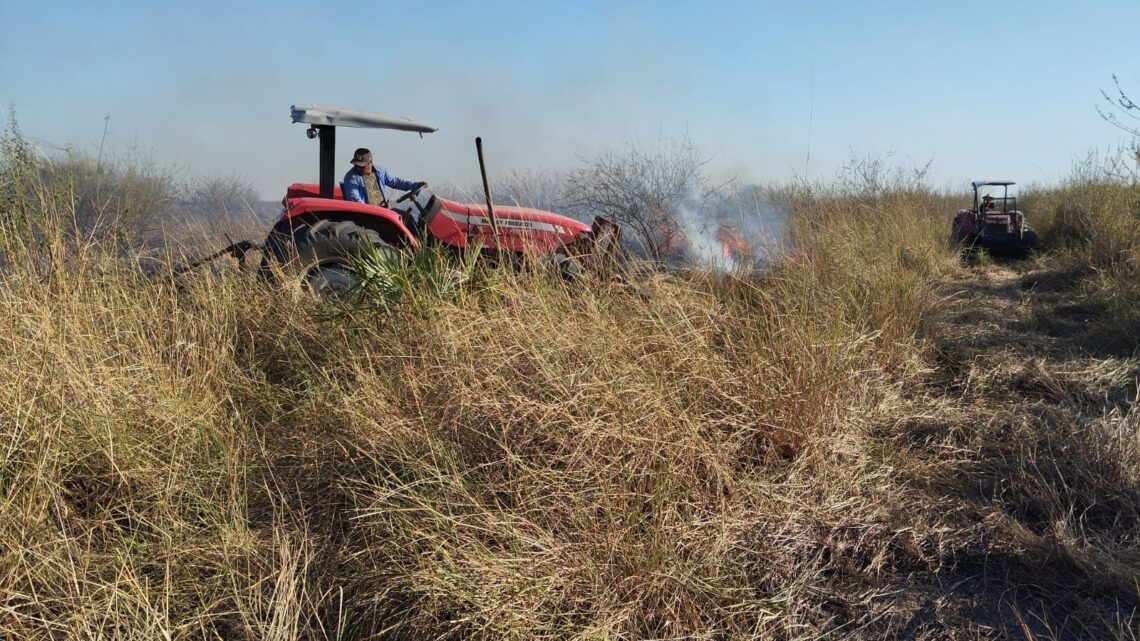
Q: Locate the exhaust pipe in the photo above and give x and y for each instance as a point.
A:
(487, 192)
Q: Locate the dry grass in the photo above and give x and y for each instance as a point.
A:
(701, 456)
(1093, 225)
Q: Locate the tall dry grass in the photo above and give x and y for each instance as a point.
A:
(517, 457)
(522, 460)
(1092, 225)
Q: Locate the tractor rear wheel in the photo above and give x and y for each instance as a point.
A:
(957, 234)
(1028, 242)
(320, 253)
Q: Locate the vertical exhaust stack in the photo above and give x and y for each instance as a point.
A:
(487, 192)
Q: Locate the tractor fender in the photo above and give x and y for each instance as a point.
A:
(964, 219)
(383, 221)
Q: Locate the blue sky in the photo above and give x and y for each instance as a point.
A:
(982, 89)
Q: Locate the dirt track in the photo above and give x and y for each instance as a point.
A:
(1025, 437)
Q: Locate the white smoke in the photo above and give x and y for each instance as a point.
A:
(703, 247)
(761, 220)
(709, 221)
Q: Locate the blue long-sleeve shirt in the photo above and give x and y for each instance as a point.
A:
(354, 190)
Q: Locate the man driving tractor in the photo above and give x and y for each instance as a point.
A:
(365, 183)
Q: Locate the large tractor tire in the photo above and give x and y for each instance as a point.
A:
(319, 253)
(1028, 242)
(958, 235)
(960, 242)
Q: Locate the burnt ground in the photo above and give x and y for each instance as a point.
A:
(1021, 445)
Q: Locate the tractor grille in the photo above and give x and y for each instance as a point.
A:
(997, 228)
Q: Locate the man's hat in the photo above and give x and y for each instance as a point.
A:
(361, 157)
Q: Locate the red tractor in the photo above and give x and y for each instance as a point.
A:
(319, 233)
(995, 224)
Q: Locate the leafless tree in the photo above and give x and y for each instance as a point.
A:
(122, 198)
(873, 176)
(1123, 113)
(536, 188)
(645, 190)
(218, 197)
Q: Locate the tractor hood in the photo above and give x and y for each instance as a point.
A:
(520, 228)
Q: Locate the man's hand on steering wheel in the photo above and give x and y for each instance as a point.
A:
(413, 193)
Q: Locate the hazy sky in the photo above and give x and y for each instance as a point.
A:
(1000, 90)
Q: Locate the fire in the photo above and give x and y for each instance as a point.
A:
(732, 244)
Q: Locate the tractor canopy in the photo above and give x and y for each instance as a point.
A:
(1005, 203)
(996, 183)
(337, 117)
(323, 122)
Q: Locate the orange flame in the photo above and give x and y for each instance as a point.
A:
(732, 244)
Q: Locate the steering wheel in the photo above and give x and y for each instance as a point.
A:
(413, 193)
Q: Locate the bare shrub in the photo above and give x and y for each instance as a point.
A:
(216, 207)
(117, 197)
(644, 189)
(129, 198)
(82, 196)
(218, 197)
(536, 188)
(875, 176)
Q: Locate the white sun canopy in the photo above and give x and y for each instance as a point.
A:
(336, 117)
(986, 183)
